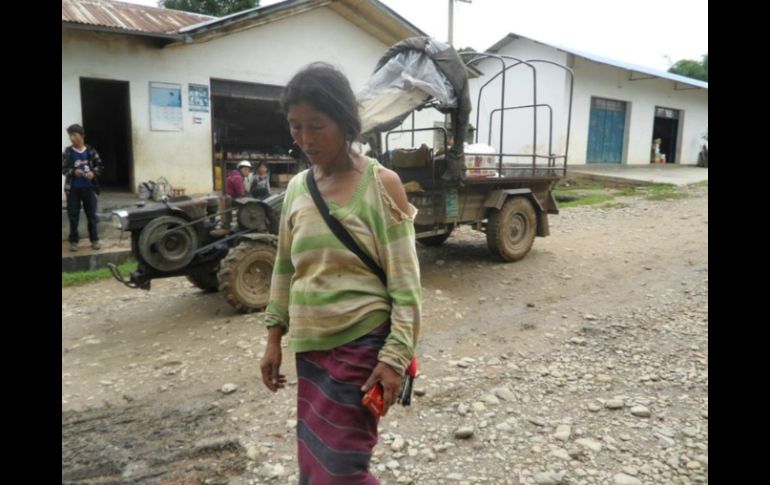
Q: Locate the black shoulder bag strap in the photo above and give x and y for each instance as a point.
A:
(339, 230)
(405, 394)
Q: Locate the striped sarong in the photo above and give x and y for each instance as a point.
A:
(335, 433)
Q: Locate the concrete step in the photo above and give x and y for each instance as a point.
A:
(86, 259)
(104, 227)
(674, 174)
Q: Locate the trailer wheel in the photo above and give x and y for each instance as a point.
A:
(244, 275)
(208, 282)
(511, 230)
(435, 240)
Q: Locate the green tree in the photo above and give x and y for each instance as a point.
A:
(215, 8)
(694, 69)
(464, 53)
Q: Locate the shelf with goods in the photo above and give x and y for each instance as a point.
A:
(281, 166)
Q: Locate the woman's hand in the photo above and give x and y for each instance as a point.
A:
(271, 361)
(391, 383)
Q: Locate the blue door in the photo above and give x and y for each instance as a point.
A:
(606, 128)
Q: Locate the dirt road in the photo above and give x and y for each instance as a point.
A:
(586, 362)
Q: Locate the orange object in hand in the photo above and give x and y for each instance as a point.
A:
(374, 401)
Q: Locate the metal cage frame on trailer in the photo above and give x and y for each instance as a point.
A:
(551, 157)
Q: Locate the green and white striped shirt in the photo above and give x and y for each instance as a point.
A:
(324, 294)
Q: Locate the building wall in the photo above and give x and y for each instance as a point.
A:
(269, 54)
(518, 136)
(591, 79)
(642, 97)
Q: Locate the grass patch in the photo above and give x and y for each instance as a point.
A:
(589, 199)
(615, 205)
(568, 185)
(653, 192)
(85, 277)
(663, 192)
(584, 194)
(659, 187)
(627, 192)
(667, 196)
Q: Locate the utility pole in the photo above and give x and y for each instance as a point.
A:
(447, 117)
(452, 18)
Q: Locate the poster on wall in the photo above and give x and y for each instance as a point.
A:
(165, 107)
(198, 97)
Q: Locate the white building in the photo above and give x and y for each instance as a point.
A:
(617, 108)
(167, 93)
(216, 83)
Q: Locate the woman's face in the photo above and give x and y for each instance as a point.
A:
(317, 135)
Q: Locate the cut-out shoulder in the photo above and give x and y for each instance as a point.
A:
(389, 185)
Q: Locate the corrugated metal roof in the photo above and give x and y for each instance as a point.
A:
(243, 15)
(128, 16)
(606, 60)
(160, 22)
(286, 5)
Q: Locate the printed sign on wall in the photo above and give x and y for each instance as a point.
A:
(165, 107)
(198, 97)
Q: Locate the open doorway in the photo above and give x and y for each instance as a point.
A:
(248, 124)
(666, 128)
(107, 123)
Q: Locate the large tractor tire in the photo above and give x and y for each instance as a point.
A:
(245, 273)
(511, 230)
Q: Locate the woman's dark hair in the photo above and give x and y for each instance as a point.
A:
(327, 90)
(259, 164)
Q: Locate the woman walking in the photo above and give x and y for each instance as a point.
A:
(350, 331)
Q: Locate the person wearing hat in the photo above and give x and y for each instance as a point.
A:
(235, 187)
(81, 165)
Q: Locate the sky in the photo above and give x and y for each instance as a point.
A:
(642, 33)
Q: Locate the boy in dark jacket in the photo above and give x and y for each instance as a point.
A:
(81, 165)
